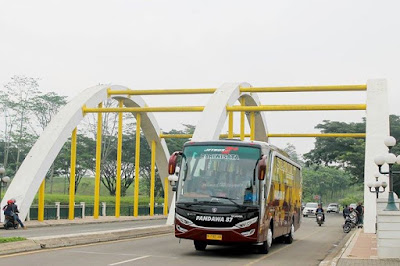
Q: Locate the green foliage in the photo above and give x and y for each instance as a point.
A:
(349, 153)
(354, 198)
(330, 183)
(50, 199)
(11, 239)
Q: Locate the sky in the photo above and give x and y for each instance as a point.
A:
(73, 45)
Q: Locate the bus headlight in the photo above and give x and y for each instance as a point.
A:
(183, 220)
(181, 229)
(248, 233)
(247, 223)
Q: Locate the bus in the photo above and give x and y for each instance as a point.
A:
(235, 192)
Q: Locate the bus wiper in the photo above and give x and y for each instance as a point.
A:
(231, 200)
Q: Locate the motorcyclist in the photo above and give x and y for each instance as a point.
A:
(320, 210)
(11, 209)
(353, 214)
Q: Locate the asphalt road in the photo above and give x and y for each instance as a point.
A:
(78, 228)
(312, 243)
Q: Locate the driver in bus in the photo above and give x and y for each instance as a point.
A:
(249, 195)
(203, 188)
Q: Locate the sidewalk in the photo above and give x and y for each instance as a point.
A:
(91, 220)
(361, 249)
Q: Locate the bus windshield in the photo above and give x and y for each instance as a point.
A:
(219, 174)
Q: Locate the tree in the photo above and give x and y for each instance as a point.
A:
(21, 91)
(330, 183)
(349, 153)
(346, 153)
(44, 107)
(85, 160)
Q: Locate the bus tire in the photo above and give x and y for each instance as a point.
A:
(288, 239)
(200, 245)
(266, 245)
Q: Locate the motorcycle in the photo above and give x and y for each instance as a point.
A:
(350, 222)
(9, 222)
(320, 218)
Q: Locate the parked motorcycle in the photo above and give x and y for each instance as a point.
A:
(320, 218)
(9, 222)
(350, 222)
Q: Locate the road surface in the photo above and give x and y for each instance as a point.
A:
(312, 243)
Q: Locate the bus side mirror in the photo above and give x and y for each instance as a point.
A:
(172, 162)
(262, 167)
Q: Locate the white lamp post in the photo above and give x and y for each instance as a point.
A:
(377, 186)
(390, 159)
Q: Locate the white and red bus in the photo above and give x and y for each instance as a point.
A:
(235, 192)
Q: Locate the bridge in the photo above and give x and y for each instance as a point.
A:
(220, 108)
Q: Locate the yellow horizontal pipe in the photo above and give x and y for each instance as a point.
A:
(159, 92)
(280, 135)
(237, 108)
(144, 109)
(300, 107)
(306, 88)
(319, 135)
(362, 87)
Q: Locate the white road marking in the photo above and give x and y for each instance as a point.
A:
(119, 254)
(125, 261)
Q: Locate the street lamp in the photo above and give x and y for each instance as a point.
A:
(377, 186)
(390, 159)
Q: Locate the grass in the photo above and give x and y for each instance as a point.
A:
(64, 199)
(85, 193)
(11, 239)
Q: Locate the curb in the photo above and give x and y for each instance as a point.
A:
(53, 223)
(333, 257)
(37, 243)
(18, 247)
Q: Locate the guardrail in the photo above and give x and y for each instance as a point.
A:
(57, 211)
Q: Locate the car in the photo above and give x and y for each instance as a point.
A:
(310, 209)
(333, 207)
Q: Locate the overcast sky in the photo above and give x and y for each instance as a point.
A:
(73, 45)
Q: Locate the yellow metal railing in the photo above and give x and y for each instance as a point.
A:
(234, 108)
(137, 162)
(98, 165)
(297, 107)
(306, 88)
(362, 87)
(275, 135)
(71, 207)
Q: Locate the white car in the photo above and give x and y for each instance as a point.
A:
(310, 209)
(333, 207)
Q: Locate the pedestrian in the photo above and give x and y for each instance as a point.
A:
(360, 214)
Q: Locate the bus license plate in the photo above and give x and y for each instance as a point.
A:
(214, 237)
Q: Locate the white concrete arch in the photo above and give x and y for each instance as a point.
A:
(30, 175)
(214, 114)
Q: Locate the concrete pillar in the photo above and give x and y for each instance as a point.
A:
(57, 210)
(377, 129)
(103, 209)
(83, 209)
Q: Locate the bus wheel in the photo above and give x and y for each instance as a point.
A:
(264, 248)
(199, 245)
(289, 238)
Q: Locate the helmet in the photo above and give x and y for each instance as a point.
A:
(10, 201)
